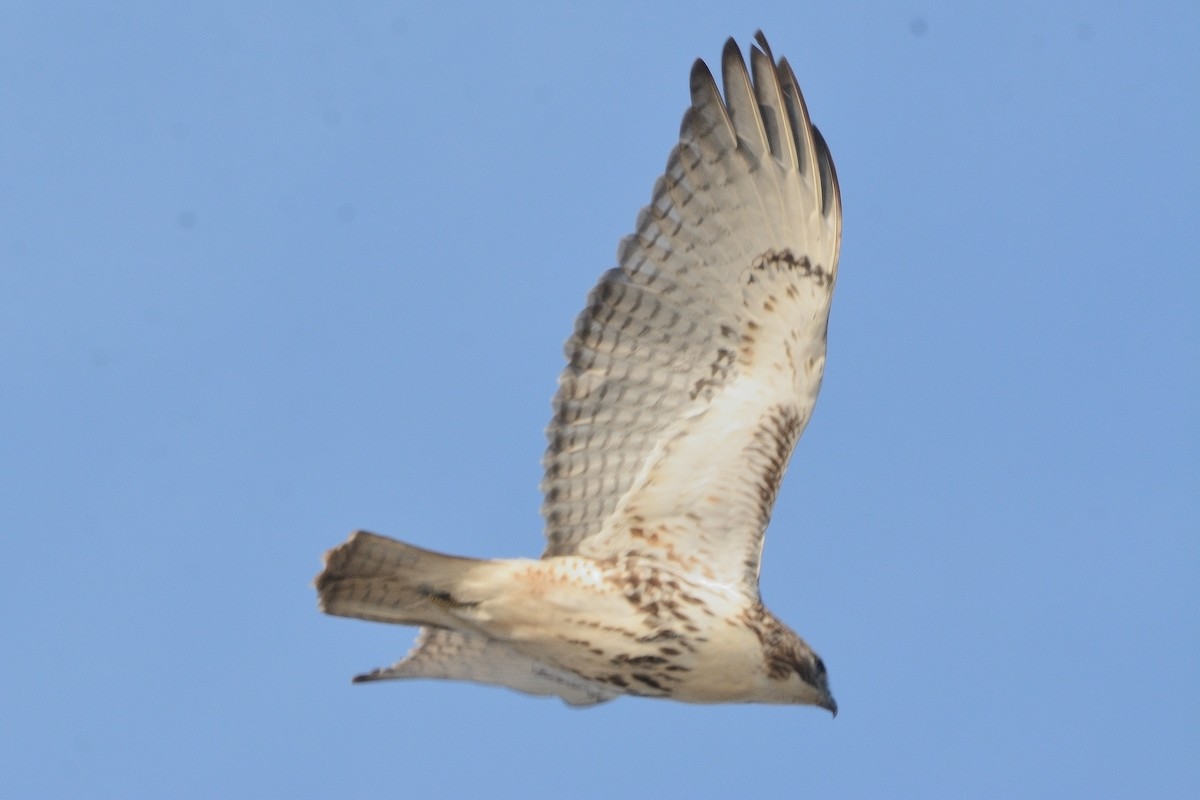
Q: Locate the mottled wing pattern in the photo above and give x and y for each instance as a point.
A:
(696, 364)
(459, 655)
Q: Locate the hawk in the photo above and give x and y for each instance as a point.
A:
(690, 375)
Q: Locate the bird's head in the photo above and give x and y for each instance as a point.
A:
(795, 673)
(813, 682)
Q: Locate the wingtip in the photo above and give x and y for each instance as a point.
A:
(732, 62)
(700, 78)
(761, 40)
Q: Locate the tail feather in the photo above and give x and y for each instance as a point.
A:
(376, 578)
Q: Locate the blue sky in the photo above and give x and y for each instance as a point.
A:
(269, 273)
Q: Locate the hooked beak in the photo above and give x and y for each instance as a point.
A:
(829, 704)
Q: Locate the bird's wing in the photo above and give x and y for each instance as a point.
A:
(464, 656)
(696, 363)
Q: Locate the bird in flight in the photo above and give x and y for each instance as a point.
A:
(691, 373)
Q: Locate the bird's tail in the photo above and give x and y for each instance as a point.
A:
(376, 578)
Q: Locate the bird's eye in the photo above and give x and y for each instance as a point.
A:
(820, 665)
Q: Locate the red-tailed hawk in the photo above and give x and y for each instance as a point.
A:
(691, 373)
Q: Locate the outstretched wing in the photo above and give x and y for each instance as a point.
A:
(465, 656)
(696, 364)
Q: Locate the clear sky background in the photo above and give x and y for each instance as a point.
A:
(269, 273)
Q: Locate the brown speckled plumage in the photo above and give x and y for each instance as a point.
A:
(691, 374)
